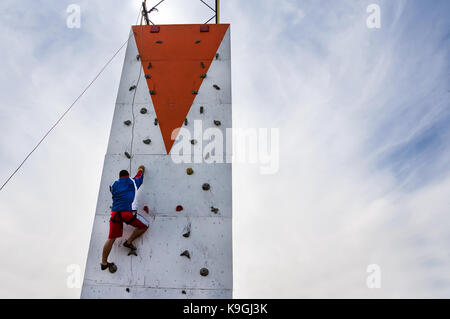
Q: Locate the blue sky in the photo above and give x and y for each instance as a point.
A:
(364, 142)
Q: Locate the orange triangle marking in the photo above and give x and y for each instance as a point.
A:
(175, 55)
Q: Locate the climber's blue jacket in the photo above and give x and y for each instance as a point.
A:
(124, 190)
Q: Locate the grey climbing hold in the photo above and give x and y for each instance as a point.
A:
(193, 142)
(204, 272)
(148, 76)
(194, 92)
(214, 210)
(203, 75)
(132, 87)
(143, 110)
(156, 121)
(159, 42)
(185, 122)
(217, 123)
(207, 155)
(127, 122)
(216, 87)
(206, 187)
(186, 254)
(147, 141)
(127, 155)
(217, 56)
(149, 65)
(189, 171)
(197, 41)
(152, 92)
(202, 65)
(201, 109)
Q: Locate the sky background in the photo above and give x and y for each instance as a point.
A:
(364, 119)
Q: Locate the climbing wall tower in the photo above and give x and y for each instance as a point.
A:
(174, 76)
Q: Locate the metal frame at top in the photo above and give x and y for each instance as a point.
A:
(146, 12)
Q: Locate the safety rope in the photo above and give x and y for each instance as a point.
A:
(70, 107)
(134, 95)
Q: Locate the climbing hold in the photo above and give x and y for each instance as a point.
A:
(201, 109)
(112, 268)
(179, 208)
(214, 210)
(148, 76)
(204, 272)
(159, 42)
(128, 289)
(127, 122)
(193, 142)
(183, 292)
(217, 56)
(154, 29)
(127, 155)
(149, 65)
(204, 28)
(206, 187)
(187, 234)
(189, 171)
(207, 155)
(185, 122)
(152, 92)
(146, 209)
(217, 123)
(197, 41)
(138, 57)
(132, 87)
(186, 254)
(187, 231)
(202, 65)
(194, 92)
(132, 252)
(216, 87)
(147, 141)
(143, 110)
(203, 75)
(156, 121)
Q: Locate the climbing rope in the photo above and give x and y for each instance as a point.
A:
(134, 96)
(70, 107)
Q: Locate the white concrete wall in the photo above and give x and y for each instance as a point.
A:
(159, 271)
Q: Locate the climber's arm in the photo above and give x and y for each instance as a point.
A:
(139, 178)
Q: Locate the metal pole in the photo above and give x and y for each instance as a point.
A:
(217, 11)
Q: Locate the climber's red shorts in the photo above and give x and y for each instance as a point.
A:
(116, 222)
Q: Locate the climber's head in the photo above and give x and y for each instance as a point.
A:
(124, 173)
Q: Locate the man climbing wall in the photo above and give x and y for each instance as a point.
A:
(123, 194)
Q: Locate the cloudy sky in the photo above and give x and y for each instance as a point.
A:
(364, 150)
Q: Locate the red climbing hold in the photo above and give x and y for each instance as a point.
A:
(146, 209)
(179, 208)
